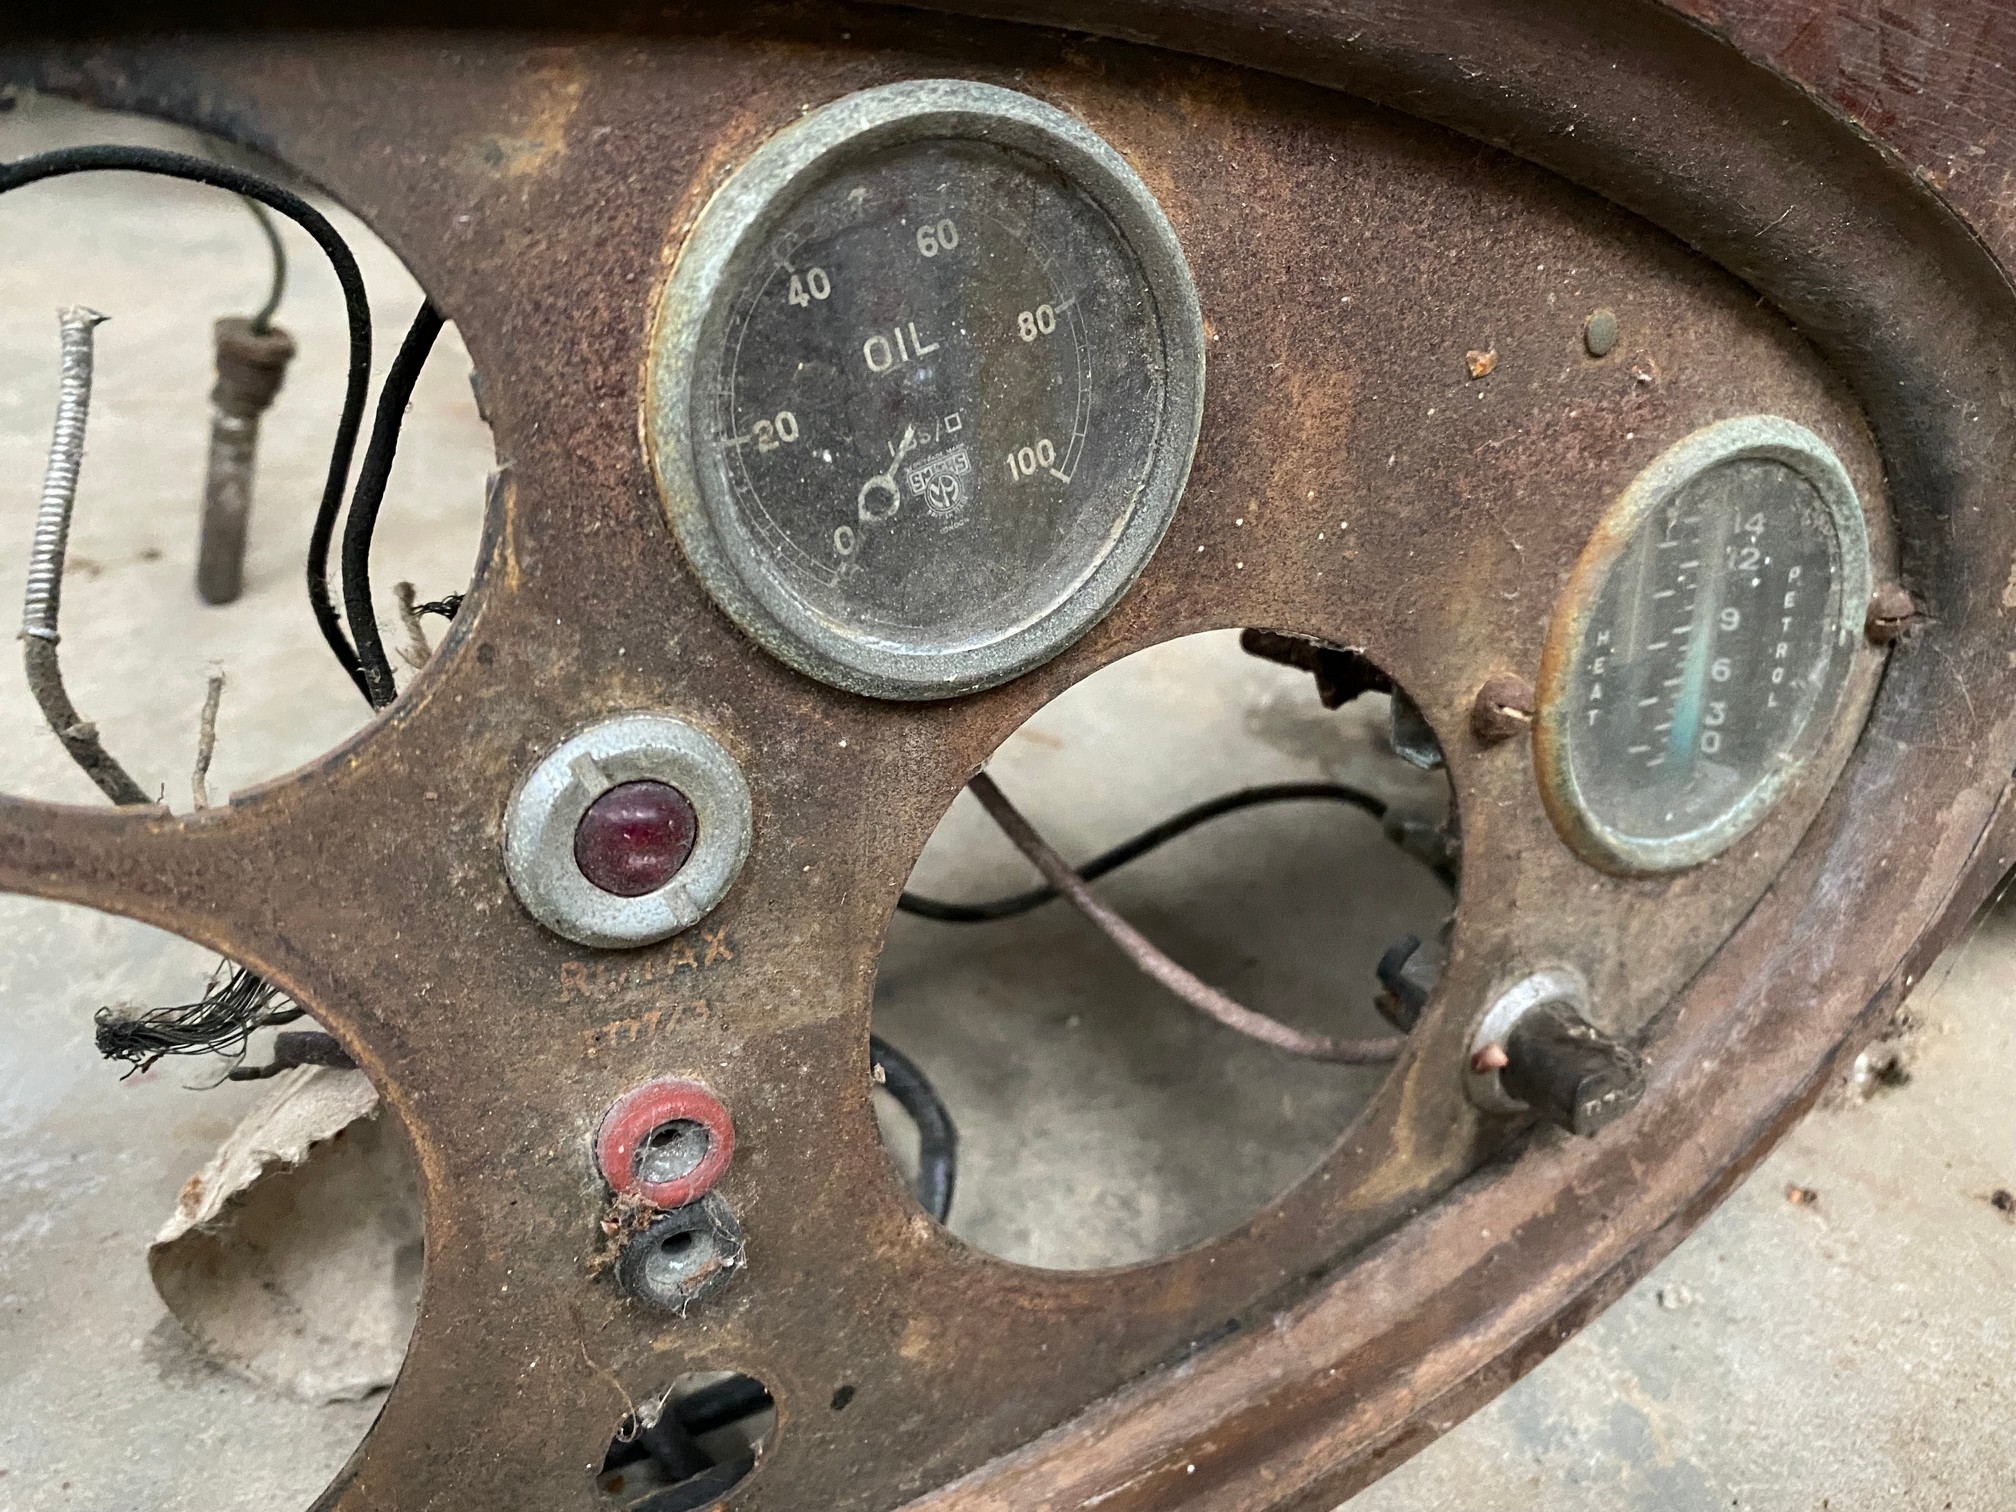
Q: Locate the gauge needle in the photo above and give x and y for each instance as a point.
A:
(1685, 714)
(885, 482)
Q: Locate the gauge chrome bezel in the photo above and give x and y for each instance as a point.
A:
(693, 311)
(1767, 437)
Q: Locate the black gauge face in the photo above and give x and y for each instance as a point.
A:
(929, 397)
(930, 390)
(1710, 655)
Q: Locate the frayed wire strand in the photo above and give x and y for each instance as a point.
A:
(221, 1022)
(416, 653)
(206, 741)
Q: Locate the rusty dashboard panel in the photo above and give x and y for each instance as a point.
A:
(1564, 352)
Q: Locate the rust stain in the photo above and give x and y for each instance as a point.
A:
(1303, 217)
(546, 101)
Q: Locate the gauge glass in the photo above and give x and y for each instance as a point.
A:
(1704, 645)
(940, 403)
(906, 400)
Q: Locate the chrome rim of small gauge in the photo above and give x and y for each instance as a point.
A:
(1699, 654)
(924, 388)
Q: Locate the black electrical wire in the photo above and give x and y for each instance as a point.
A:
(723, 1404)
(393, 397)
(1156, 964)
(937, 1138)
(107, 158)
(1142, 844)
(295, 1048)
(276, 251)
(226, 1016)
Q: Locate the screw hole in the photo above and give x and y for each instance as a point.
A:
(683, 1256)
(672, 1151)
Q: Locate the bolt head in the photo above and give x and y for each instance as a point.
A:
(635, 837)
(1892, 611)
(1503, 709)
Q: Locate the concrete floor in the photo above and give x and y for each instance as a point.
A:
(1846, 1354)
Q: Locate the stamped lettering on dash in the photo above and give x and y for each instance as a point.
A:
(643, 1026)
(592, 981)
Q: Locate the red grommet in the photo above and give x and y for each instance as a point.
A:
(674, 1123)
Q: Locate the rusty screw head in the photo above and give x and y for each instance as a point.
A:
(1892, 611)
(1504, 708)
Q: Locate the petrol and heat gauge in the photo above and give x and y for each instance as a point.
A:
(925, 387)
(1701, 652)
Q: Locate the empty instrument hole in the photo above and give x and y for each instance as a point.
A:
(689, 1447)
(1100, 1119)
(234, 1360)
(140, 643)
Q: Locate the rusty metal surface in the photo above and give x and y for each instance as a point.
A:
(1354, 482)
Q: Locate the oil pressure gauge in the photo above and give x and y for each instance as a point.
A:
(925, 387)
(1702, 649)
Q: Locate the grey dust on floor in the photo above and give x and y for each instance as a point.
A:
(1848, 1352)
